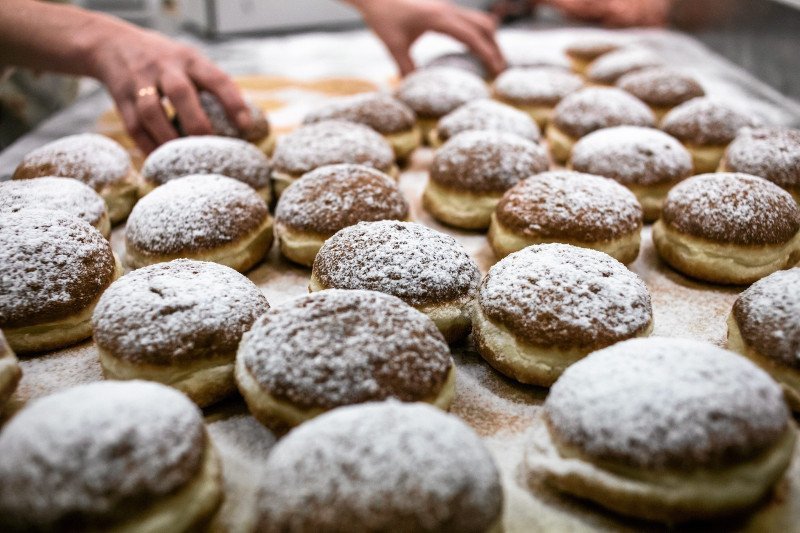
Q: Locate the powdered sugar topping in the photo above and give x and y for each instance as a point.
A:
(770, 153)
(221, 124)
(544, 86)
(335, 347)
(381, 112)
(632, 155)
(667, 403)
(62, 194)
(415, 263)
(661, 86)
(379, 467)
(705, 121)
(434, 92)
(594, 108)
(611, 66)
(488, 115)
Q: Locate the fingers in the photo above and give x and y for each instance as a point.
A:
(483, 21)
(131, 120)
(483, 46)
(183, 95)
(152, 117)
(207, 76)
(401, 52)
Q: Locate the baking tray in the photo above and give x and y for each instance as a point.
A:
(499, 409)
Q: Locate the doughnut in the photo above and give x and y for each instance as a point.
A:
(728, 228)
(462, 60)
(382, 112)
(434, 92)
(62, 194)
(328, 199)
(207, 217)
(10, 372)
(769, 153)
(53, 268)
(547, 306)
(178, 323)
(334, 348)
(535, 90)
(608, 68)
(385, 466)
(94, 159)
(706, 127)
(327, 143)
(208, 154)
(662, 429)
(260, 134)
(591, 109)
(582, 52)
(647, 161)
(108, 456)
(471, 171)
(661, 88)
(568, 207)
(484, 115)
(764, 325)
(426, 269)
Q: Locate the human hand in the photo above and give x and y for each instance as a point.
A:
(620, 13)
(139, 67)
(399, 23)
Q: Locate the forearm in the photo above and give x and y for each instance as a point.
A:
(53, 37)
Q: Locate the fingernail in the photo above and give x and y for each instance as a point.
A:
(245, 120)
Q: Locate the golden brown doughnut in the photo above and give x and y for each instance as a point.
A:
(64, 194)
(764, 325)
(329, 142)
(608, 68)
(335, 348)
(568, 207)
(535, 90)
(94, 159)
(206, 217)
(541, 309)
(471, 171)
(208, 154)
(385, 466)
(728, 228)
(661, 88)
(582, 52)
(10, 372)
(108, 456)
(591, 109)
(647, 161)
(53, 268)
(426, 269)
(328, 199)
(663, 429)
(434, 92)
(706, 127)
(484, 115)
(178, 323)
(769, 153)
(382, 112)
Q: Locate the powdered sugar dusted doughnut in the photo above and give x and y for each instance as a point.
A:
(471, 171)
(610, 67)
(327, 143)
(541, 309)
(178, 323)
(705, 126)
(592, 109)
(462, 60)
(381, 466)
(208, 154)
(328, 199)
(583, 51)
(535, 90)
(94, 159)
(764, 325)
(568, 207)
(728, 228)
(53, 267)
(63, 194)
(647, 161)
(485, 115)
(382, 112)
(259, 134)
(335, 348)
(206, 217)
(661, 88)
(769, 153)
(424, 268)
(9, 371)
(108, 456)
(434, 92)
(664, 429)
